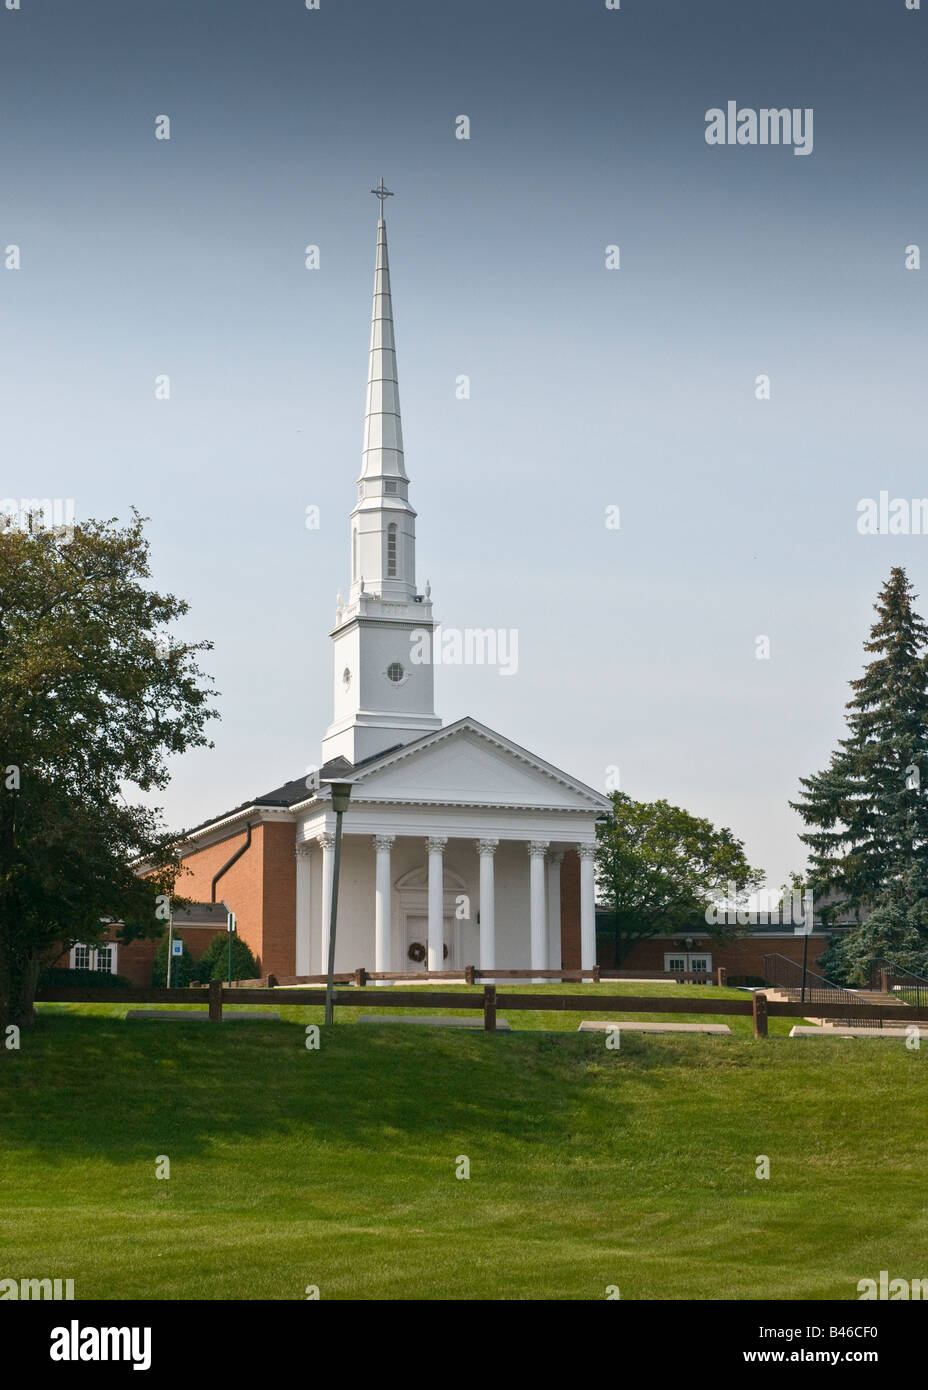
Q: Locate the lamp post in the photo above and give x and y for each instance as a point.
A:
(341, 795)
(170, 943)
(230, 928)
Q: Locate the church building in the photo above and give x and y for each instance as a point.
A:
(459, 846)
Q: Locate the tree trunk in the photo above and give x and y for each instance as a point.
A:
(19, 973)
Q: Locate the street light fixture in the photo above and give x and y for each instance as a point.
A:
(341, 795)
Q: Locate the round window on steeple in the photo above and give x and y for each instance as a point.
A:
(395, 673)
(346, 678)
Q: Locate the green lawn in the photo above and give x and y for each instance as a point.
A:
(336, 1167)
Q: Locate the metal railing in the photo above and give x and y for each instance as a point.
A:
(807, 986)
(905, 985)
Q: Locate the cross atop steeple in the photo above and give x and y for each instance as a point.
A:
(382, 192)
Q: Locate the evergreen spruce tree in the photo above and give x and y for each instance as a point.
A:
(867, 812)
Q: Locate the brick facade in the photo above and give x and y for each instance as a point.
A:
(744, 956)
(570, 911)
(260, 888)
(135, 959)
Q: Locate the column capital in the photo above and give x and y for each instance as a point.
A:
(537, 848)
(586, 851)
(487, 846)
(435, 843)
(556, 856)
(383, 841)
(304, 850)
(326, 840)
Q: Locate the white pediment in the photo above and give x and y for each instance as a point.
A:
(469, 765)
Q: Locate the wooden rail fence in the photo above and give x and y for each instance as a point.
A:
(758, 1007)
(470, 975)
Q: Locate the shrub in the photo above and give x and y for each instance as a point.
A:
(214, 962)
(56, 977)
(183, 967)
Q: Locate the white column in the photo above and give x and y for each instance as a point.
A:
(536, 854)
(487, 849)
(328, 864)
(587, 906)
(554, 911)
(435, 845)
(383, 946)
(303, 965)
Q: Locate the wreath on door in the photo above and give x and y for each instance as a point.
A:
(417, 952)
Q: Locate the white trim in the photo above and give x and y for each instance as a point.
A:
(468, 724)
(92, 952)
(687, 957)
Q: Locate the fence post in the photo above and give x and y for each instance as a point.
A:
(272, 981)
(595, 974)
(215, 1001)
(360, 977)
(721, 976)
(760, 1014)
(469, 975)
(489, 1008)
(884, 982)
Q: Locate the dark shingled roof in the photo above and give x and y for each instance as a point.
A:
(202, 915)
(291, 793)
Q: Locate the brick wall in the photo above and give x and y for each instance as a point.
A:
(570, 911)
(278, 921)
(260, 888)
(742, 957)
(135, 959)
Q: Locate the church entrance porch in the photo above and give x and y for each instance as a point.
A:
(414, 903)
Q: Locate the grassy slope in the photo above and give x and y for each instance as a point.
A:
(336, 1168)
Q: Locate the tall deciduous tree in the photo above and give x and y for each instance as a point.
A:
(867, 812)
(95, 693)
(658, 869)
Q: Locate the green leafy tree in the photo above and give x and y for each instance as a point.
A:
(867, 812)
(214, 962)
(658, 870)
(184, 969)
(891, 932)
(94, 695)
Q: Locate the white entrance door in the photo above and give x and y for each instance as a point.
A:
(688, 962)
(417, 944)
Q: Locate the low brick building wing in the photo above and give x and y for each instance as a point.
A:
(196, 925)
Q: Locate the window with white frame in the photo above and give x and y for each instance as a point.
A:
(688, 962)
(102, 958)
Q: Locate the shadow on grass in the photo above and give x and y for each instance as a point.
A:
(96, 1086)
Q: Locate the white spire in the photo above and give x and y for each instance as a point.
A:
(384, 694)
(382, 452)
(383, 523)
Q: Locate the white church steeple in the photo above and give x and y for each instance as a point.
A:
(383, 524)
(383, 695)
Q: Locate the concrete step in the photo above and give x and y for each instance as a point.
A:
(844, 1032)
(201, 1016)
(596, 1025)
(476, 1022)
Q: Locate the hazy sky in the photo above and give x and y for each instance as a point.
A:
(590, 387)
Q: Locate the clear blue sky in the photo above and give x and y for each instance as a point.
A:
(588, 387)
